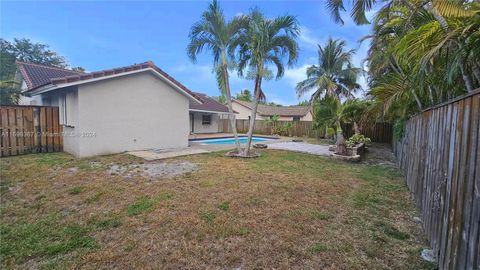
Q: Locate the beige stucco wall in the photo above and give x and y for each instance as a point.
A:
(129, 113)
(243, 112)
(307, 117)
(198, 127)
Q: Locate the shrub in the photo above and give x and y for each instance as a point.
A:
(330, 133)
(357, 139)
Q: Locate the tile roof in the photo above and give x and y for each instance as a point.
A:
(209, 104)
(39, 75)
(268, 110)
(36, 75)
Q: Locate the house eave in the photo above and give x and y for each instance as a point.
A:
(51, 87)
(205, 111)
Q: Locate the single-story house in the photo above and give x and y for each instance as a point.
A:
(207, 117)
(122, 109)
(243, 110)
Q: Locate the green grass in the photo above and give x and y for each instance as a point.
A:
(243, 231)
(207, 216)
(94, 198)
(4, 185)
(317, 248)
(46, 237)
(141, 205)
(224, 206)
(75, 190)
(391, 231)
(105, 222)
(164, 196)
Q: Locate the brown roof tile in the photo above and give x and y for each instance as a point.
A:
(36, 75)
(268, 110)
(209, 104)
(39, 75)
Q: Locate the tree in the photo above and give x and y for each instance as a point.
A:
(353, 111)
(304, 103)
(265, 43)
(9, 93)
(221, 99)
(215, 33)
(25, 50)
(334, 75)
(78, 69)
(328, 112)
(7, 61)
(244, 95)
(423, 54)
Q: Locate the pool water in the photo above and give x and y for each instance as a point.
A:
(232, 140)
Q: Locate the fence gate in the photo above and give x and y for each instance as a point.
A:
(29, 129)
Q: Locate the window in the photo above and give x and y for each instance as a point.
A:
(296, 118)
(206, 119)
(62, 100)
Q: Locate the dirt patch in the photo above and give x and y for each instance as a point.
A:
(152, 170)
(380, 154)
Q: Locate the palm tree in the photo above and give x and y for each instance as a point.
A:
(334, 75)
(265, 43)
(329, 113)
(215, 33)
(422, 54)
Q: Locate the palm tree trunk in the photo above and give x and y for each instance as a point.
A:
(341, 146)
(356, 128)
(231, 116)
(419, 104)
(258, 81)
(476, 73)
(466, 79)
(430, 94)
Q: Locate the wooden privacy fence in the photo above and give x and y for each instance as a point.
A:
(29, 129)
(440, 157)
(378, 132)
(299, 128)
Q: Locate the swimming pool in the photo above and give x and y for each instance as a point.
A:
(231, 140)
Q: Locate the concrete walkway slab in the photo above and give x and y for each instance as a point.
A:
(314, 149)
(155, 154)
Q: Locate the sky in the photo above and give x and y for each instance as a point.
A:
(100, 35)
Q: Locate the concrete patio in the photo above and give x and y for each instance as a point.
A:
(314, 149)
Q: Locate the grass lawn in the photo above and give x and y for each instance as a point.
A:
(283, 210)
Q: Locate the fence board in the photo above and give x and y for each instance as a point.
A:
(27, 129)
(379, 132)
(440, 157)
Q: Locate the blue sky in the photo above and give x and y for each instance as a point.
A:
(106, 34)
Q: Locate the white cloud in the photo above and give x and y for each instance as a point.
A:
(308, 38)
(295, 75)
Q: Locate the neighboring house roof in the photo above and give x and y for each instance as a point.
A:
(51, 78)
(268, 110)
(208, 104)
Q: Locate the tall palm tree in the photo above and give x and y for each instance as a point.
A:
(214, 33)
(265, 43)
(334, 75)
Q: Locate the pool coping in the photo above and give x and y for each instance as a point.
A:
(231, 137)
